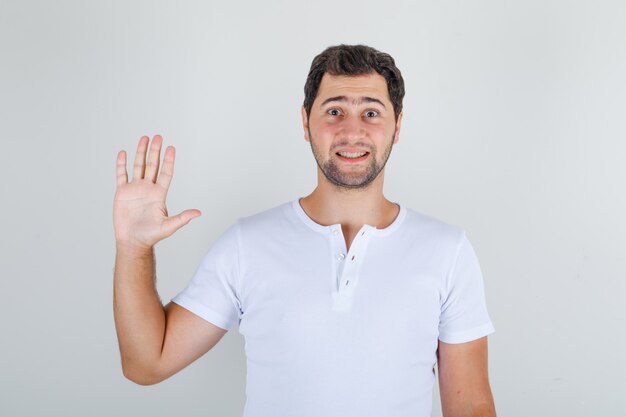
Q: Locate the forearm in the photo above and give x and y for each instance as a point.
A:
(483, 409)
(138, 311)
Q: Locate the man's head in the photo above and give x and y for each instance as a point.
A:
(352, 113)
(353, 60)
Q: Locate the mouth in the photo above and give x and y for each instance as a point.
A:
(352, 156)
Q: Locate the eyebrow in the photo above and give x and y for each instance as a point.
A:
(355, 101)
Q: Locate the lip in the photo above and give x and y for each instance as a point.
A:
(352, 160)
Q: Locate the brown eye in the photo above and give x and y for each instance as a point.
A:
(333, 112)
(371, 113)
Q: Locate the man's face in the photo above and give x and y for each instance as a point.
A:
(351, 128)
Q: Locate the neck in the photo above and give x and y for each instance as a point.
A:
(351, 207)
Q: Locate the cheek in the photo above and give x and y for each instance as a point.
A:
(323, 134)
(381, 132)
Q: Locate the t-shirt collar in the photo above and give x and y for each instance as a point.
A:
(328, 229)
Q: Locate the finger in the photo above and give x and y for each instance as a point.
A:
(154, 156)
(167, 170)
(139, 165)
(122, 176)
(173, 223)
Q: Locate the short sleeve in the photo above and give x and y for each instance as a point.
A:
(212, 291)
(464, 315)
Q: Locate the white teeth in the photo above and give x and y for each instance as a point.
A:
(352, 154)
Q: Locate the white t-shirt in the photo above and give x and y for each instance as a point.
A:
(330, 333)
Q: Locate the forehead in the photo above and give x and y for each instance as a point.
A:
(367, 85)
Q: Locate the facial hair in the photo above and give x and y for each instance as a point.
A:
(346, 180)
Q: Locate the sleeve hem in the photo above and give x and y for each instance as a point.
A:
(203, 312)
(467, 335)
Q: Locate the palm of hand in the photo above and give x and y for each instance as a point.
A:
(140, 215)
(140, 211)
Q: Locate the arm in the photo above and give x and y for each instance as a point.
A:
(464, 379)
(154, 342)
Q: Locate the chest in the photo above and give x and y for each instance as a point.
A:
(375, 297)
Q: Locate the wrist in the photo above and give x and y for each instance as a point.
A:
(134, 249)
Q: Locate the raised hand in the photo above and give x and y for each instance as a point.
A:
(140, 216)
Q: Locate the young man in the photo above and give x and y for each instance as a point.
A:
(346, 300)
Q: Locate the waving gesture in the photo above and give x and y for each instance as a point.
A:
(140, 216)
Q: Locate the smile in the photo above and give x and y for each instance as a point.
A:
(352, 155)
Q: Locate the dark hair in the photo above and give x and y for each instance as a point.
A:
(353, 60)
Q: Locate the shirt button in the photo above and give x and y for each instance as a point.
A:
(335, 232)
(340, 256)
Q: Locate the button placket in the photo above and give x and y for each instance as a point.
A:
(347, 265)
(338, 248)
(349, 278)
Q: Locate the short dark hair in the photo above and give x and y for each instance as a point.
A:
(353, 60)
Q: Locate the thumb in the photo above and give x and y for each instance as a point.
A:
(173, 223)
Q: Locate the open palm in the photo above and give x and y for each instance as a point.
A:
(140, 217)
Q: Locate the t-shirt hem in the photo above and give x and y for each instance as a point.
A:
(467, 335)
(206, 313)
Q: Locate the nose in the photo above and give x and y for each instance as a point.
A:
(352, 129)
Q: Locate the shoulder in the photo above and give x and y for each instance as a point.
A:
(277, 223)
(258, 227)
(423, 226)
(277, 216)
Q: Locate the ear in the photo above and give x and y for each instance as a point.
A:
(396, 135)
(305, 124)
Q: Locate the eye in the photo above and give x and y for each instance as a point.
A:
(371, 113)
(334, 112)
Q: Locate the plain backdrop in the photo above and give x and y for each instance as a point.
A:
(514, 129)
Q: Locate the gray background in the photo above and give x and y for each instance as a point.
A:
(514, 129)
